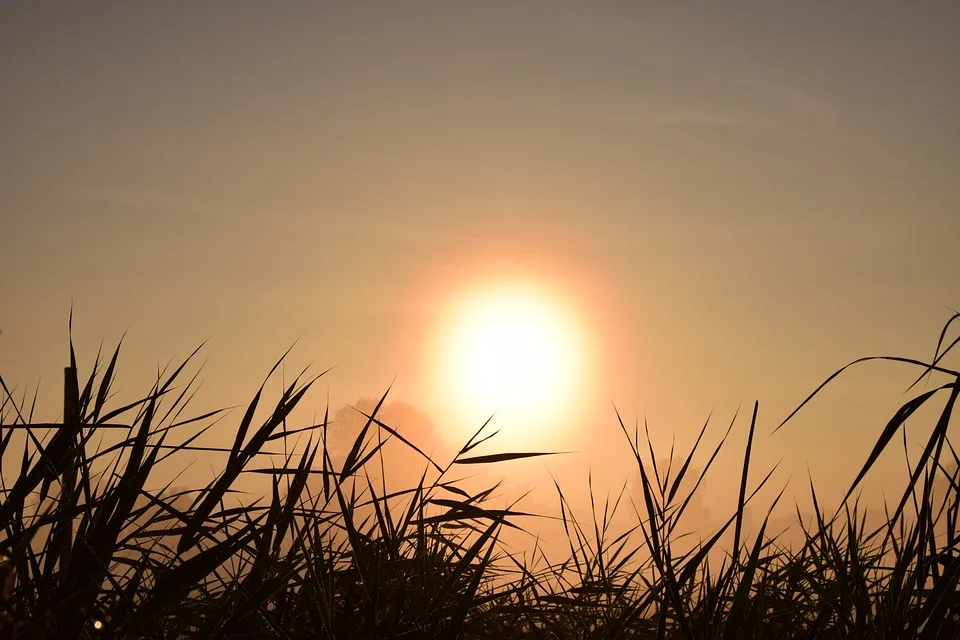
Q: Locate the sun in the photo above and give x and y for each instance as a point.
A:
(515, 351)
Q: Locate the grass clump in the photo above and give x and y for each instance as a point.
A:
(98, 552)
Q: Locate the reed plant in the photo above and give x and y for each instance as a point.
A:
(99, 551)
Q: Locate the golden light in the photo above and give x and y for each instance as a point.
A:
(517, 351)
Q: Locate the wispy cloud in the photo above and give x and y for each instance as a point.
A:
(340, 224)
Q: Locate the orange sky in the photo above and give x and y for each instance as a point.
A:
(741, 199)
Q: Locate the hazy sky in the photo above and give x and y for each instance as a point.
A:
(739, 196)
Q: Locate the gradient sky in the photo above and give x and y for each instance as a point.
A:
(742, 196)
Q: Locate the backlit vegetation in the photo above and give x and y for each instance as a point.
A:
(101, 551)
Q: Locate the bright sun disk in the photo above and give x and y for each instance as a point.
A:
(515, 352)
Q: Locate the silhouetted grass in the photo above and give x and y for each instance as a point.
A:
(331, 554)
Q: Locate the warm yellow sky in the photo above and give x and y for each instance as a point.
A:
(739, 199)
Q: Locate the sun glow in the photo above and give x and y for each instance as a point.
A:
(517, 352)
